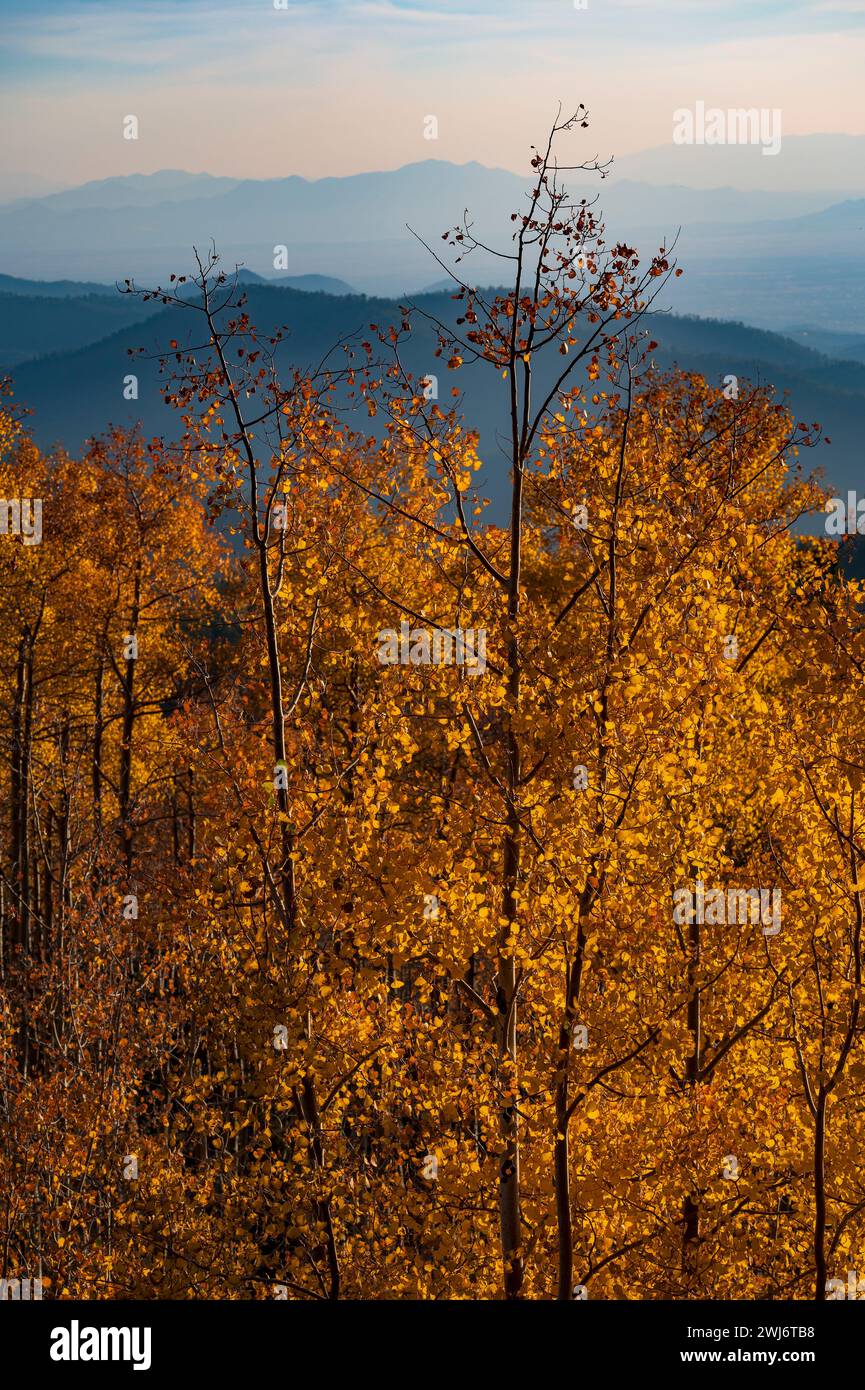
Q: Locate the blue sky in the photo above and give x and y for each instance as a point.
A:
(338, 86)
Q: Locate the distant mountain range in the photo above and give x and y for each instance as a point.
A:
(75, 386)
(771, 254)
(131, 190)
(310, 284)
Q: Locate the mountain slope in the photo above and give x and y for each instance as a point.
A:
(32, 325)
(76, 394)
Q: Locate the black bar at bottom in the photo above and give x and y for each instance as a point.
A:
(390, 1342)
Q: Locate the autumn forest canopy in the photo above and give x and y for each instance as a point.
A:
(398, 905)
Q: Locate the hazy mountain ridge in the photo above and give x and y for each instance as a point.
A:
(356, 229)
(844, 346)
(132, 190)
(53, 289)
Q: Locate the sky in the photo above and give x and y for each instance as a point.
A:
(336, 87)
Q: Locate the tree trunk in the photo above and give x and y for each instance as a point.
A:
(690, 1207)
(820, 1197)
(128, 726)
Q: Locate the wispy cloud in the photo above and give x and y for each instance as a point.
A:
(327, 86)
